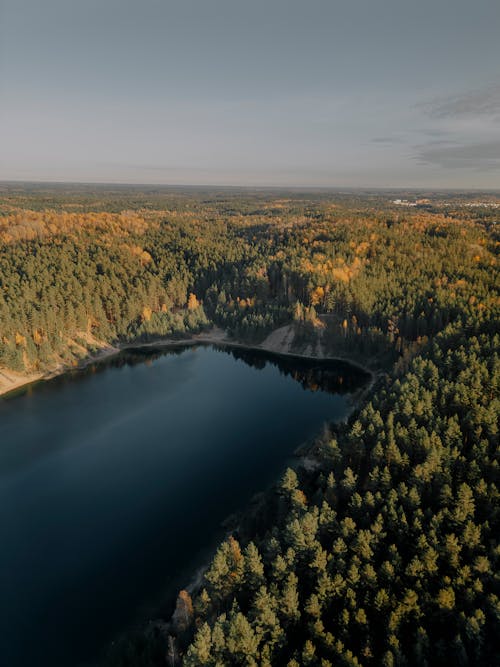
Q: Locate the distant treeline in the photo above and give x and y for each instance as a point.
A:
(370, 281)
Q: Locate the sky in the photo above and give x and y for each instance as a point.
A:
(332, 93)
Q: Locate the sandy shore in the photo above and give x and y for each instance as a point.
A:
(10, 381)
(279, 341)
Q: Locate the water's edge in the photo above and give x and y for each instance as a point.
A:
(212, 337)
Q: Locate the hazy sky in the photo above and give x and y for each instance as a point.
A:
(260, 92)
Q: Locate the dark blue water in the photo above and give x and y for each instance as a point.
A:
(114, 479)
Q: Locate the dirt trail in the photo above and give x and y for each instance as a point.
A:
(280, 340)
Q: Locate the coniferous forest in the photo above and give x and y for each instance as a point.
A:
(385, 552)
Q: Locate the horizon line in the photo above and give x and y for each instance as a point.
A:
(324, 188)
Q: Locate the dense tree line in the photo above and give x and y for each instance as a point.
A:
(358, 277)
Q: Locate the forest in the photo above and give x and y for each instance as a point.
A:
(386, 551)
(79, 270)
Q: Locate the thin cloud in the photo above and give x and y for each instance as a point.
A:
(387, 140)
(478, 156)
(482, 102)
(434, 132)
(442, 142)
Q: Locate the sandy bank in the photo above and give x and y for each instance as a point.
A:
(10, 381)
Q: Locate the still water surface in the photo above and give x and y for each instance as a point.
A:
(114, 479)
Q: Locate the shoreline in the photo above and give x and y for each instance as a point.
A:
(17, 380)
(272, 344)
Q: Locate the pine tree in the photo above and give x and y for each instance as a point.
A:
(199, 652)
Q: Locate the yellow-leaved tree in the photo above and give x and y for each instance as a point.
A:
(193, 302)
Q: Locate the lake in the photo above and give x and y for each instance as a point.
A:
(115, 479)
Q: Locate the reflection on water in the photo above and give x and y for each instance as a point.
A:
(330, 375)
(335, 377)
